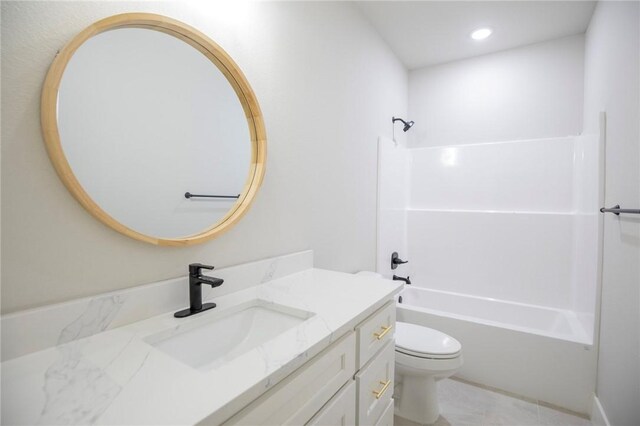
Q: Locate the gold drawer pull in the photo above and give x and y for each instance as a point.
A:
(381, 392)
(385, 330)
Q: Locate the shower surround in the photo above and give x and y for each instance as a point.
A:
(503, 243)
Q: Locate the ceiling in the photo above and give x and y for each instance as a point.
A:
(424, 33)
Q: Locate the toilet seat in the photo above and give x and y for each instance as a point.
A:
(423, 342)
(426, 356)
(427, 366)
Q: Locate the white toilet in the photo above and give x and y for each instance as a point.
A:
(423, 356)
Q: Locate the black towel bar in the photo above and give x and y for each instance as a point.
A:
(190, 195)
(617, 210)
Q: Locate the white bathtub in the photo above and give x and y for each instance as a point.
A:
(540, 320)
(538, 352)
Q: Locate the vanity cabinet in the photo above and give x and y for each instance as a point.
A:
(376, 362)
(375, 386)
(296, 399)
(341, 410)
(349, 383)
(375, 332)
(386, 419)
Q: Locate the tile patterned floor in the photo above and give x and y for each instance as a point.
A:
(463, 404)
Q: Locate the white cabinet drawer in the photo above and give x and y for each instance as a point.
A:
(375, 332)
(340, 411)
(375, 386)
(386, 419)
(301, 395)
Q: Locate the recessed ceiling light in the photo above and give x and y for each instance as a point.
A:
(481, 33)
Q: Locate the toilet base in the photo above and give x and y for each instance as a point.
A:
(417, 399)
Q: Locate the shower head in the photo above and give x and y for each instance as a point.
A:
(407, 124)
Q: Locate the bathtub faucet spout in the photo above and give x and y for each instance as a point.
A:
(406, 280)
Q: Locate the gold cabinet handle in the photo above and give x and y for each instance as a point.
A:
(385, 330)
(381, 392)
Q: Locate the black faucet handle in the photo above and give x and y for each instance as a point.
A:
(395, 260)
(195, 268)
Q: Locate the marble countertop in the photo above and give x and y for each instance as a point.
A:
(115, 377)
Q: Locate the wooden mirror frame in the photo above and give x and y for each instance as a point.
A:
(220, 58)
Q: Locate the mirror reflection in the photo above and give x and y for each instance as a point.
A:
(144, 118)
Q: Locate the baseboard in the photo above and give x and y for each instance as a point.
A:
(598, 416)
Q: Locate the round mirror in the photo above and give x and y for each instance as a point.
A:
(154, 129)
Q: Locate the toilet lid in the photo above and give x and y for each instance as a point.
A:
(418, 340)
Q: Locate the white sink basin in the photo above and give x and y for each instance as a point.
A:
(217, 337)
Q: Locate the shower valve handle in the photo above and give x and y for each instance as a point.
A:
(395, 260)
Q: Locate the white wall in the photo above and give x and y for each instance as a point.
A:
(523, 93)
(328, 87)
(393, 195)
(612, 84)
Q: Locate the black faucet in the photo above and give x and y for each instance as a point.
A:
(196, 279)
(406, 280)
